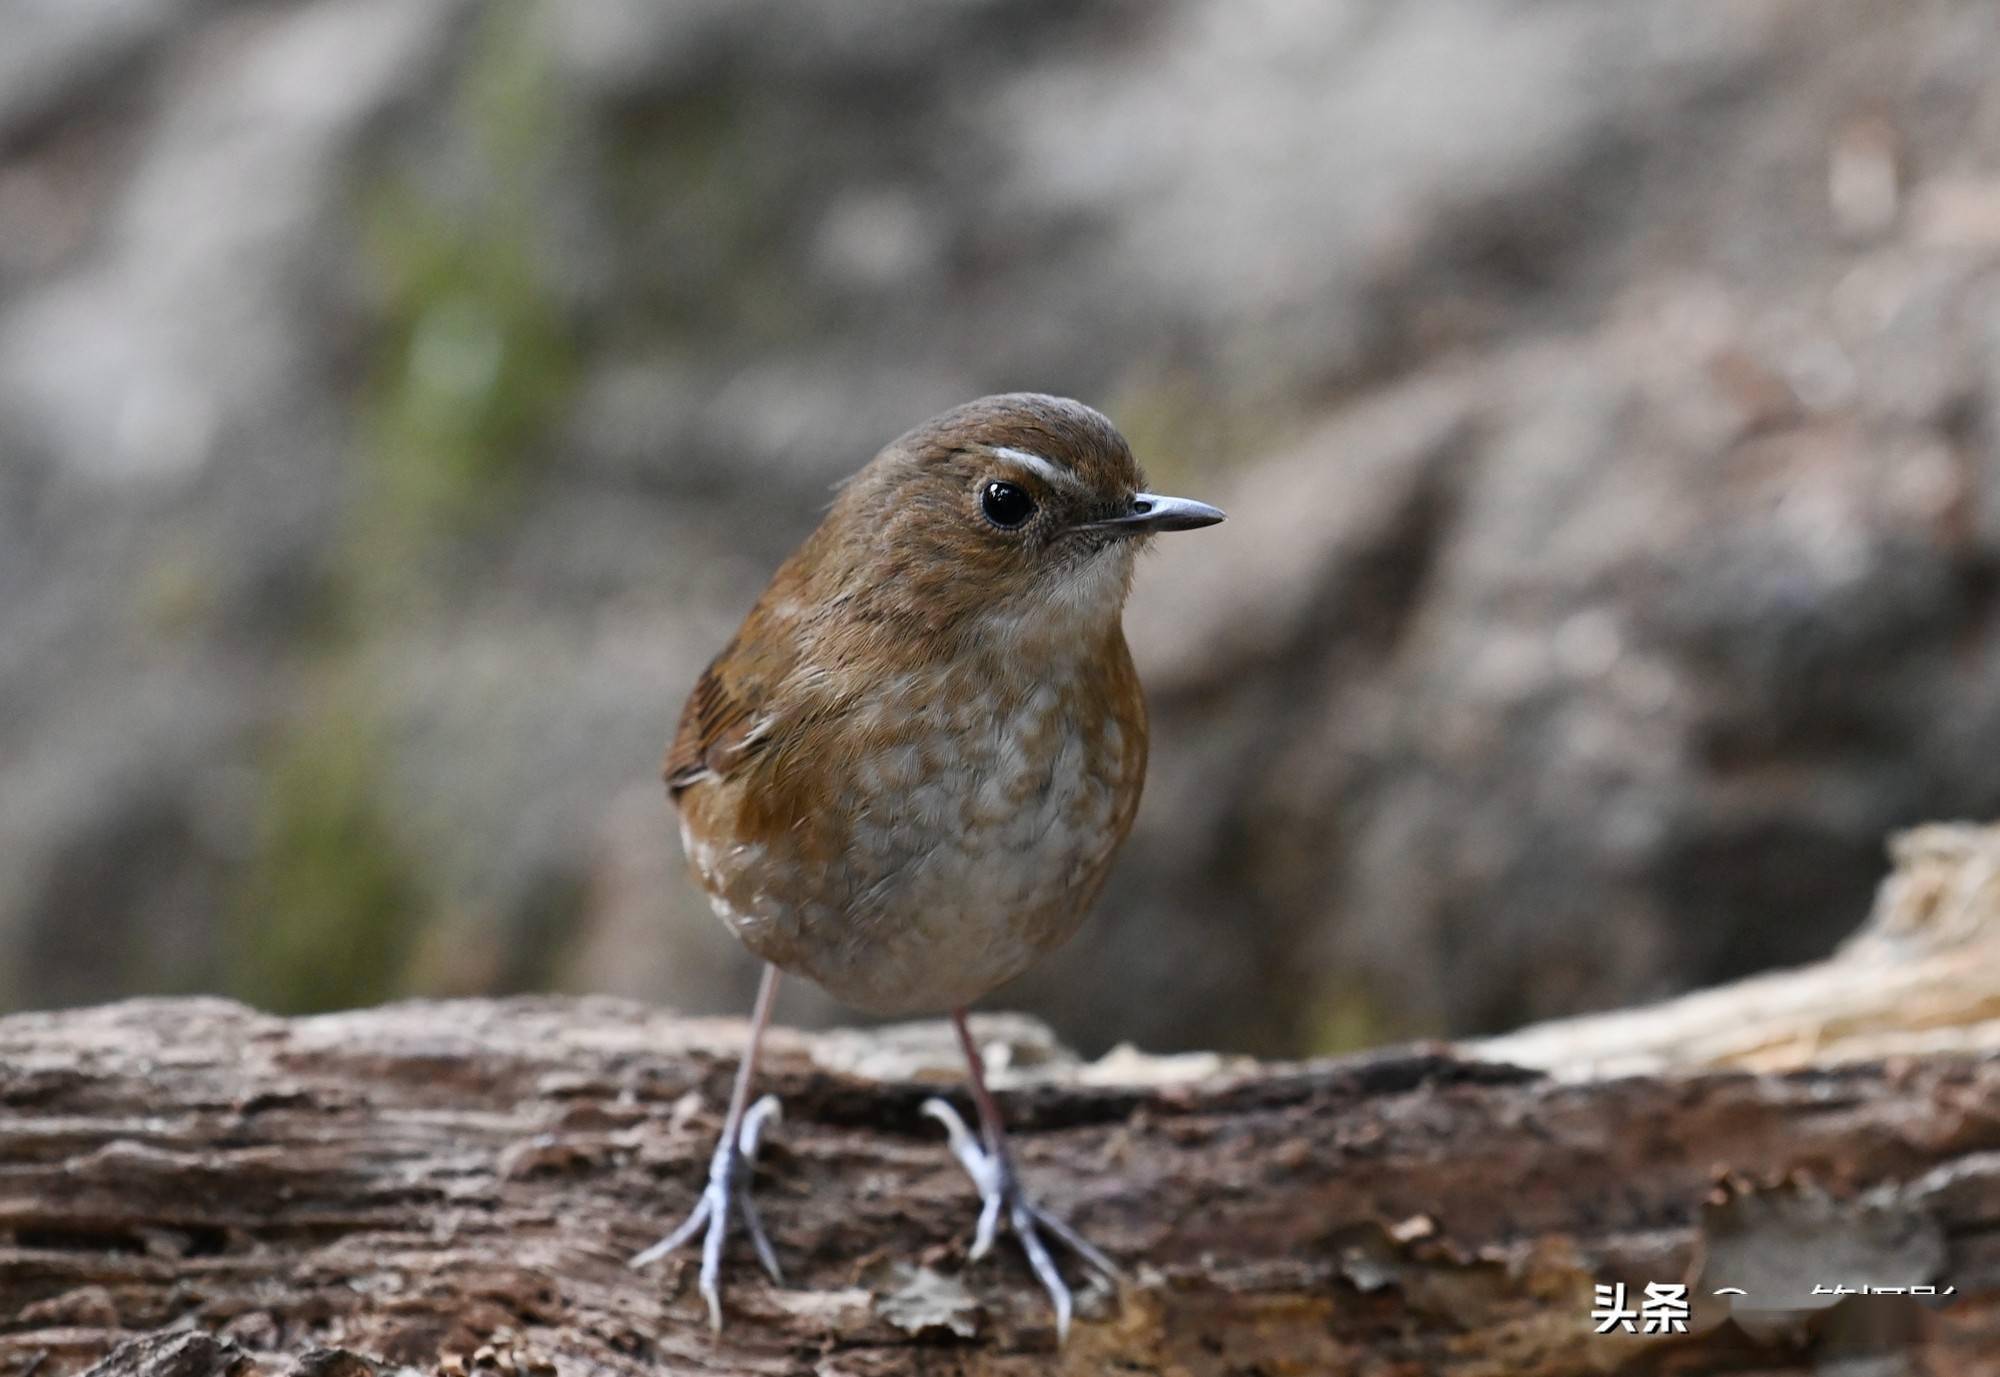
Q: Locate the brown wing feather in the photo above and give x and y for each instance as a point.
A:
(718, 728)
(742, 701)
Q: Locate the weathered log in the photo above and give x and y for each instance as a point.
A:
(189, 1187)
(1922, 976)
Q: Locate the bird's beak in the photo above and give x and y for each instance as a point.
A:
(1151, 512)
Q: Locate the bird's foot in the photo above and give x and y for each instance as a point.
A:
(728, 1188)
(991, 1168)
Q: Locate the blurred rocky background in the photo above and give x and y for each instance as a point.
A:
(400, 399)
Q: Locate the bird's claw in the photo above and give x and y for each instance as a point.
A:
(728, 1170)
(992, 1171)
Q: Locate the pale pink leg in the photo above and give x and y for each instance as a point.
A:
(735, 1155)
(989, 1162)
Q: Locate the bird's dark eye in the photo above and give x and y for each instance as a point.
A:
(1006, 505)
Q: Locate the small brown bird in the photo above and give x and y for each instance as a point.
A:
(906, 776)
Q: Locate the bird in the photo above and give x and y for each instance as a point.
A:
(906, 776)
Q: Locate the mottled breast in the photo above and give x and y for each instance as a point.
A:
(926, 842)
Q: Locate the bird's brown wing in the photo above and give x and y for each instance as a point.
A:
(748, 702)
(741, 706)
(720, 726)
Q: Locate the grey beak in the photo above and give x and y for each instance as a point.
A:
(1152, 512)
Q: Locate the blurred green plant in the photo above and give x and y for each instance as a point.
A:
(473, 361)
(332, 903)
(475, 365)
(476, 357)
(1349, 1017)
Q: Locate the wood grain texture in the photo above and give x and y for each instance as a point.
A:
(455, 1187)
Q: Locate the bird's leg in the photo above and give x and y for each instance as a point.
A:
(729, 1170)
(989, 1161)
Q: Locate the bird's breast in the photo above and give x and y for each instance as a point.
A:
(941, 832)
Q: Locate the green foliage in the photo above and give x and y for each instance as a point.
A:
(475, 357)
(474, 365)
(472, 362)
(332, 904)
(1348, 1017)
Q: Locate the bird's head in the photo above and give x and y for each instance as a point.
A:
(1022, 509)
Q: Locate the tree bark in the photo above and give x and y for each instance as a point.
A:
(189, 1187)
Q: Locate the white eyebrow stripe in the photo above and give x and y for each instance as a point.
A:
(1054, 473)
